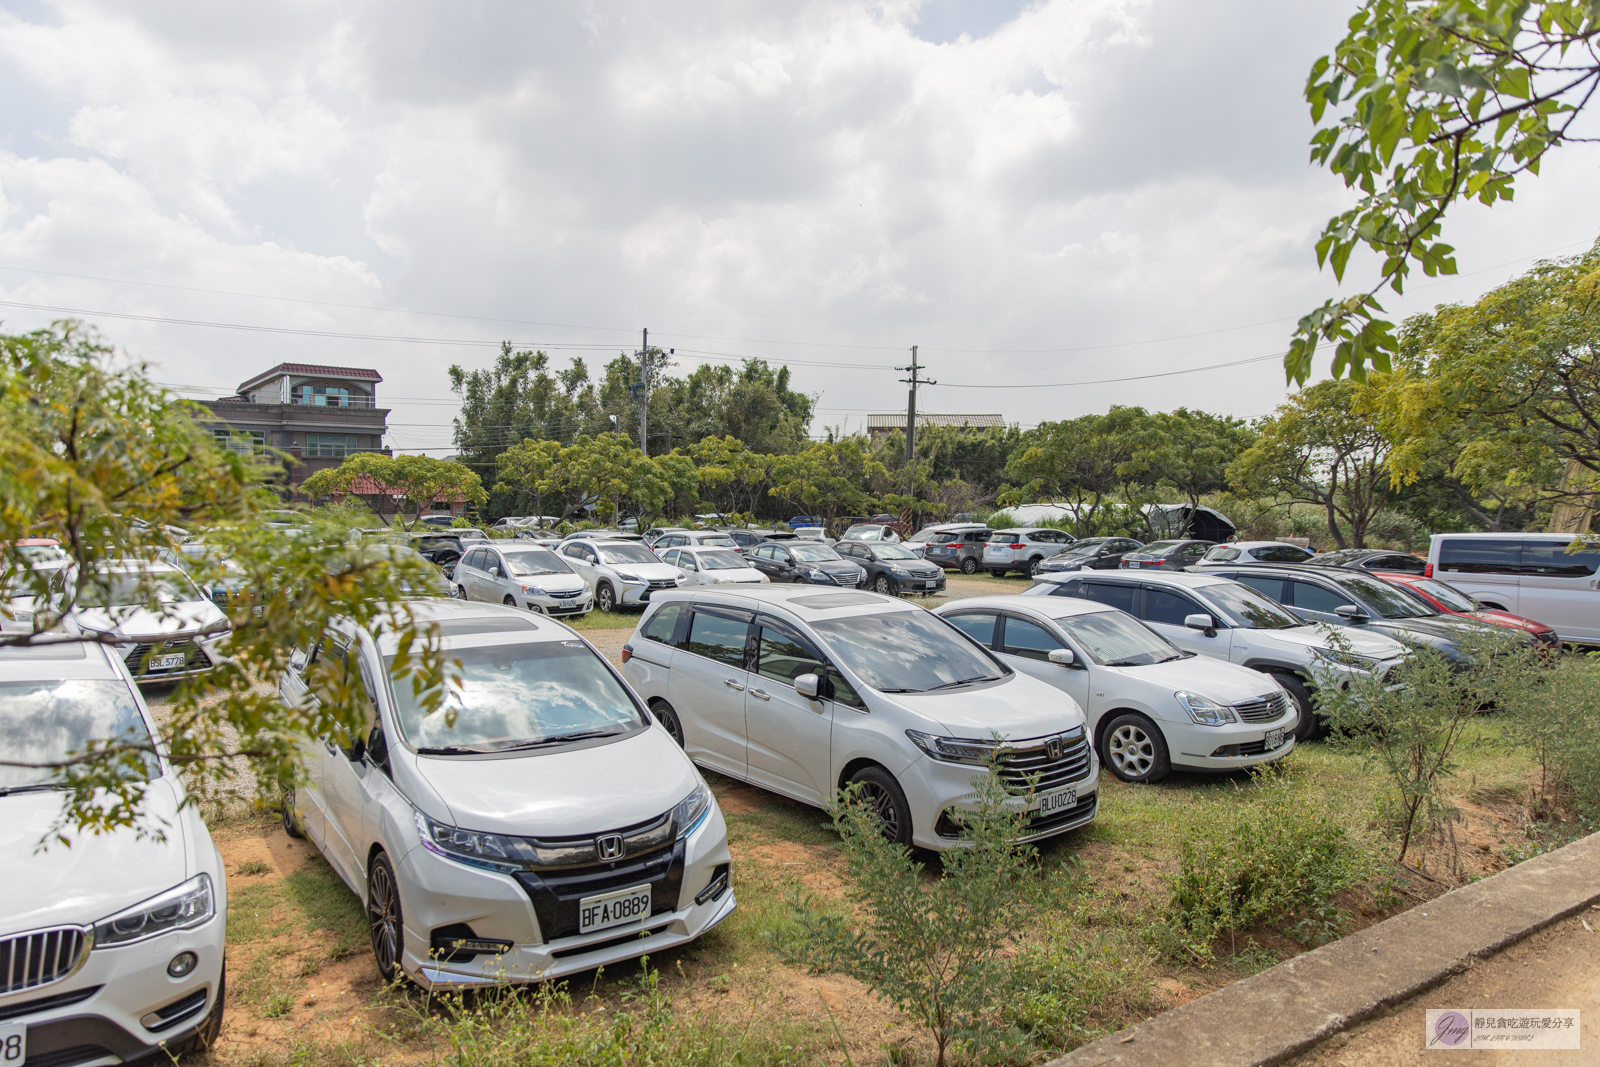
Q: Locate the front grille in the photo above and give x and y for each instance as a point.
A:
(849, 581)
(566, 596)
(28, 961)
(1027, 767)
(663, 583)
(1262, 709)
(194, 658)
(38, 1004)
(566, 609)
(67, 1057)
(555, 894)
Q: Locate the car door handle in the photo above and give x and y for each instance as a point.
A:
(760, 694)
(333, 749)
(731, 684)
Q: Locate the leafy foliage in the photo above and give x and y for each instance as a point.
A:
(405, 483)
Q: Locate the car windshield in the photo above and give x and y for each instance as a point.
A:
(721, 559)
(1340, 556)
(869, 533)
(1156, 548)
(41, 553)
(1448, 595)
(813, 553)
(1243, 606)
(906, 651)
(48, 721)
(132, 590)
(1387, 600)
(626, 554)
(1115, 638)
(525, 561)
(888, 551)
(520, 695)
(722, 541)
(1081, 549)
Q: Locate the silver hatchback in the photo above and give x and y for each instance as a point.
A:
(521, 575)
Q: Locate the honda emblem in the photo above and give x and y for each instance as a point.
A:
(1052, 748)
(609, 846)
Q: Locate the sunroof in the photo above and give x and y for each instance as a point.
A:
(823, 601)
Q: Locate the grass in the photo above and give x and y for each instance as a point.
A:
(327, 906)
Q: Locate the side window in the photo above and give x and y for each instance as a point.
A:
(1028, 639)
(1116, 595)
(1224, 554)
(1169, 608)
(783, 659)
(1413, 565)
(663, 624)
(687, 561)
(1549, 559)
(978, 625)
(1068, 589)
(780, 555)
(717, 637)
(493, 563)
(1308, 597)
(377, 743)
(842, 690)
(1271, 588)
(669, 557)
(1195, 550)
(1498, 556)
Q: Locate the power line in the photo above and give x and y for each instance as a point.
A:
(1107, 381)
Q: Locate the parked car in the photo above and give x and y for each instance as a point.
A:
(1366, 559)
(179, 637)
(919, 541)
(806, 562)
(423, 583)
(25, 580)
(1222, 619)
(1022, 548)
(521, 575)
(437, 520)
(1447, 599)
(540, 825)
(871, 531)
(1090, 554)
(1354, 599)
(960, 548)
(655, 533)
(712, 566)
(1255, 552)
(115, 942)
(796, 522)
(893, 569)
(802, 692)
(1531, 574)
(542, 538)
(603, 535)
(620, 573)
(745, 540)
(1151, 706)
(443, 549)
(696, 538)
(220, 578)
(1166, 555)
(816, 533)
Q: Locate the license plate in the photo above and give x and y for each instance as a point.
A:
(933, 583)
(1054, 802)
(23, 616)
(1274, 740)
(613, 909)
(165, 663)
(256, 611)
(1134, 564)
(13, 1044)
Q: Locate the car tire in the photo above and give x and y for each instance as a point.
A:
(510, 601)
(605, 598)
(883, 586)
(969, 566)
(879, 789)
(667, 716)
(205, 1037)
(1309, 728)
(291, 824)
(996, 574)
(460, 592)
(1032, 567)
(384, 918)
(1134, 750)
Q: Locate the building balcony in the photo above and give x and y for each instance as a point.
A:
(334, 401)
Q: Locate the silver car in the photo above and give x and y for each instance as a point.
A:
(695, 539)
(621, 573)
(1022, 548)
(712, 566)
(521, 575)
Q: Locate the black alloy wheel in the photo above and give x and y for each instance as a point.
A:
(291, 825)
(667, 716)
(604, 598)
(510, 601)
(878, 789)
(969, 566)
(384, 918)
(883, 586)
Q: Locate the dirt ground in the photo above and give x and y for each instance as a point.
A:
(1556, 968)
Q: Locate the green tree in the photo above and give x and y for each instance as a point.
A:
(407, 483)
(1188, 450)
(1084, 462)
(1423, 104)
(1323, 447)
(532, 469)
(827, 479)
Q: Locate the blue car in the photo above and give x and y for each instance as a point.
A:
(806, 520)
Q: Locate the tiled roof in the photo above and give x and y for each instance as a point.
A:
(366, 485)
(898, 421)
(313, 369)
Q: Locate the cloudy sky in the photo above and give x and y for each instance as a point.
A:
(1037, 194)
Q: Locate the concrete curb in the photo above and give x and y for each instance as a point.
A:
(1281, 1012)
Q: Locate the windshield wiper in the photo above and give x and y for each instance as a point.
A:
(902, 690)
(966, 681)
(1129, 663)
(453, 750)
(559, 738)
(37, 787)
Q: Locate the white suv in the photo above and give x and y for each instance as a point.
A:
(1022, 549)
(1152, 707)
(114, 945)
(804, 691)
(620, 573)
(1227, 620)
(539, 824)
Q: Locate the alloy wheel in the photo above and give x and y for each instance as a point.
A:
(383, 917)
(604, 598)
(1131, 750)
(460, 592)
(882, 586)
(883, 808)
(969, 566)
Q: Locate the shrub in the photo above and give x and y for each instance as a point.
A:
(1060, 977)
(1558, 721)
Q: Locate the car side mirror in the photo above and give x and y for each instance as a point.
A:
(1063, 657)
(1350, 612)
(808, 686)
(1199, 621)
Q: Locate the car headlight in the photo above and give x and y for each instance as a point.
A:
(954, 749)
(492, 852)
(534, 590)
(221, 626)
(818, 576)
(1205, 712)
(689, 812)
(624, 576)
(899, 572)
(189, 904)
(1344, 658)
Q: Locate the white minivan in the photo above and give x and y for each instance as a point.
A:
(111, 945)
(1528, 574)
(804, 691)
(538, 824)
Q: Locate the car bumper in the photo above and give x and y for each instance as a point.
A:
(436, 892)
(933, 788)
(98, 1015)
(637, 596)
(919, 585)
(550, 605)
(1225, 748)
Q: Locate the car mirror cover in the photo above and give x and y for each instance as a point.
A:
(808, 686)
(1063, 657)
(1198, 621)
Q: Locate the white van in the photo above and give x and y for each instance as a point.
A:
(1529, 574)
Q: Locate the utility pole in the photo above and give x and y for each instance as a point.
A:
(644, 391)
(911, 416)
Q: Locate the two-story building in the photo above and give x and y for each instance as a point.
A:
(315, 414)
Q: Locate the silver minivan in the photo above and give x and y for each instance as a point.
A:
(1530, 574)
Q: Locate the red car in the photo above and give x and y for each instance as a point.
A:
(1452, 601)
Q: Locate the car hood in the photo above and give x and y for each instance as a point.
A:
(830, 566)
(555, 583)
(98, 875)
(1362, 641)
(137, 623)
(1018, 707)
(580, 790)
(1496, 617)
(652, 572)
(1214, 679)
(1437, 630)
(914, 566)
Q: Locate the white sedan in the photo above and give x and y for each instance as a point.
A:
(161, 624)
(712, 566)
(1151, 706)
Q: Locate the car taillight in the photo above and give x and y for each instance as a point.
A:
(627, 653)
(1427, 571)
(1018, 544)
